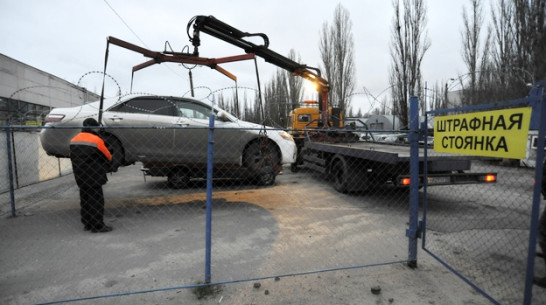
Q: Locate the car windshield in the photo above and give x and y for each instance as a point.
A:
(190, 109)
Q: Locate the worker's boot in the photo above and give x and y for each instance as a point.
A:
(102, 229)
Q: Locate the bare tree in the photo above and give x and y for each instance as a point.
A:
(408, 47)
(295, 85)
(276, 97)
(538, 21)
(283, 93)
(475, 53)
(438, 99)
(251, 108)
(502, 53)
(337, 52)
(471, 39)
(518, 53)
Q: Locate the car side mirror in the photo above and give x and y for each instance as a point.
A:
(222, 116)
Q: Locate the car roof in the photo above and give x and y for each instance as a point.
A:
(109, 103)
(113, 101)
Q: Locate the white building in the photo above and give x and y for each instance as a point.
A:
(28, 94)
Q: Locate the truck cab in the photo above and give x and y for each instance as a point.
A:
(308, 117)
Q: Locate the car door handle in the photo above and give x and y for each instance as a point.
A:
(116, 118)
(182, 124)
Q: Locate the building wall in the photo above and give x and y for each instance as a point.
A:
(383, 122)
(30, 163)
(28, 94)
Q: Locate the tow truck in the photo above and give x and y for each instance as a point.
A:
(328, 146)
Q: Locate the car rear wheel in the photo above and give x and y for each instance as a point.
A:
(262, 159)
(116, 149)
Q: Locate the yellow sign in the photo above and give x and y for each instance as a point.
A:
(498, 133)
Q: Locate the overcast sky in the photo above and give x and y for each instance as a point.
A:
(68, 39)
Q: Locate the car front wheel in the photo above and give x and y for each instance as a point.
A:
(261, 159)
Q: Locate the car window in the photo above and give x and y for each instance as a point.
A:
(304, 118)
(192, 110)
(147, 106)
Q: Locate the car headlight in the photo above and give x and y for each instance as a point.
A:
(285, 135)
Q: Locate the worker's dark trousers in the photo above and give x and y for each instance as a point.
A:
(92, 206)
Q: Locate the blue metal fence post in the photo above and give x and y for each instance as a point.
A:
(535, 210)
(413, 137)
(210, 154)
(423, 222)
(10, 168)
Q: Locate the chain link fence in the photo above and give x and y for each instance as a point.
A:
(483, 232)
(294, 225)
(158, 204)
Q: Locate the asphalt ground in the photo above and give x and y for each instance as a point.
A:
(262, 258)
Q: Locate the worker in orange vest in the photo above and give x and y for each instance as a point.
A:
(90, 162)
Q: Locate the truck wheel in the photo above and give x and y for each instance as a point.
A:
(178, 178)
(261, 159)
(340, 175)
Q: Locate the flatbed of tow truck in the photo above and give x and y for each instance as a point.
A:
(383, 152)
(358, 166)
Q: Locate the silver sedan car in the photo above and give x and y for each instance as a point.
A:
(169, 135)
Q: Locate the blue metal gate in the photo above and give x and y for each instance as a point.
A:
(487, 234)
